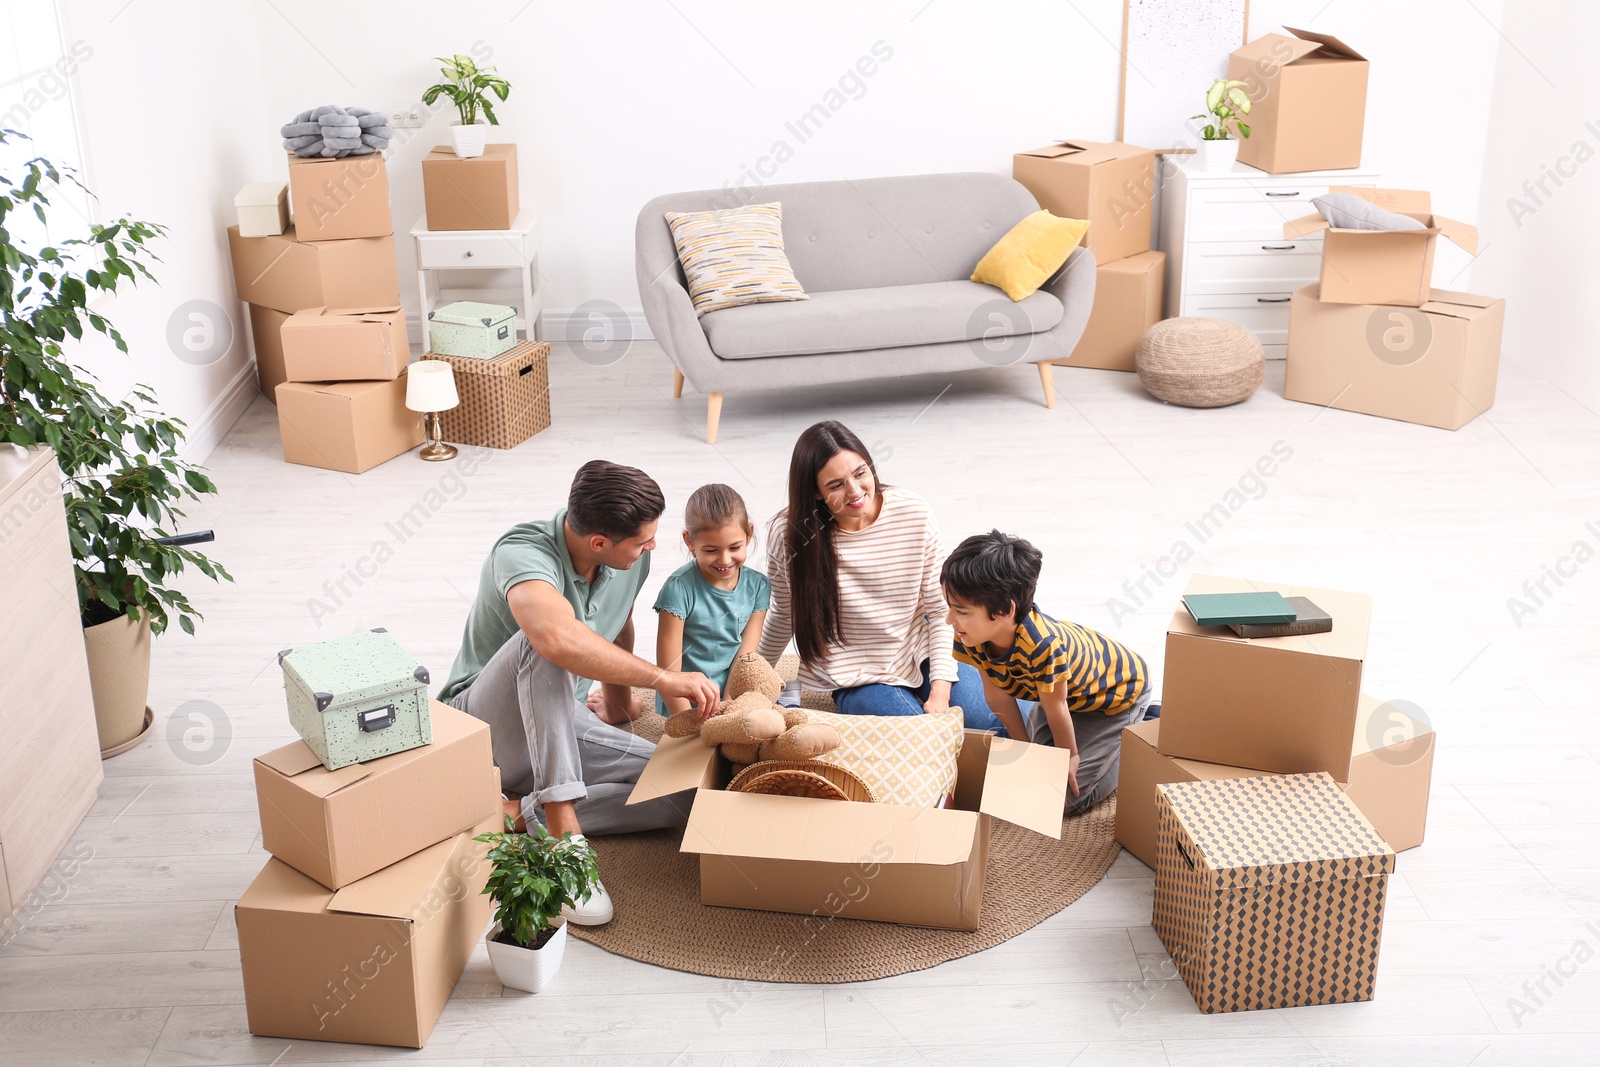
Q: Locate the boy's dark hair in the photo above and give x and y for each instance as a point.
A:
(612, 500)
(994, 570)
(711, 507)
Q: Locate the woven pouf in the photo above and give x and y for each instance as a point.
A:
(1200, 363)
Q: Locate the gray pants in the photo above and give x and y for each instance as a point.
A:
(1099, 748)
(551, 748)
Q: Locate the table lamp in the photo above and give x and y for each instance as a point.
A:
(430, 389)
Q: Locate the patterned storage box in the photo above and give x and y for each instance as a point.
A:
(504, 400)
(1269, 891)
(356, 698)
(468, 328)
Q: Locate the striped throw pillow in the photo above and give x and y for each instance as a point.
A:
(734, 256)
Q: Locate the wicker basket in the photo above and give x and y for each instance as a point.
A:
(1200, 363)
(804, 778)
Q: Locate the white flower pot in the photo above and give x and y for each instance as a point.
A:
(528, 969)
(1217, 156)
(469, 140)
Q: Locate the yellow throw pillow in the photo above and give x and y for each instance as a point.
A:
(904, 759)
(1029, 253)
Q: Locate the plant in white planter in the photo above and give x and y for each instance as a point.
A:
(1225, 102)
(468, 86)
(534, 876)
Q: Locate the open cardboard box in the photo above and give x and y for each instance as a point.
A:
(833, 858)
(1309, 97)
(1109, 184)
(1382, 266)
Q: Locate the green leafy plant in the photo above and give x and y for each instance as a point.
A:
(122, 480)
(468, 86)
(534, 877)
(1225, 102)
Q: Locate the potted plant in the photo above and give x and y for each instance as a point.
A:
(122, 478)
(534, 876)
(468, 86)
(1225, 102)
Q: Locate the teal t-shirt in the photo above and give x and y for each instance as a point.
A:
(538, 551)
(713, 619)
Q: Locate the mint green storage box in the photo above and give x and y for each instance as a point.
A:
(468, 328)
(356, 698)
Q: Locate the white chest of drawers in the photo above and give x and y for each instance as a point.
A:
(1227, 257)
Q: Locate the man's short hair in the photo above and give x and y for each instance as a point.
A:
(612, 500)
(994, 570)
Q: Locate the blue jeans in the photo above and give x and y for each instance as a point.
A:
(880, 698)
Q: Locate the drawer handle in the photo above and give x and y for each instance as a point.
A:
(1272, 300)
(468, 253)
(1276, 248)
(1295, 193)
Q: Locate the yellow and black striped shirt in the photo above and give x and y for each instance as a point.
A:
(1099, 673)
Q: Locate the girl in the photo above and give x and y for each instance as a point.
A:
(711, 609)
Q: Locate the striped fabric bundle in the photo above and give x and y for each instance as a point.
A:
(734, 256)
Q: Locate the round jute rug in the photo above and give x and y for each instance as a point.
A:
(660, 920)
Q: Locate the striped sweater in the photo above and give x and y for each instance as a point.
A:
(892, 609)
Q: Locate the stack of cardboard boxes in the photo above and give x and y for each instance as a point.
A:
(1235, 708)
(359, 926)
(1113, 186)
(339, 382)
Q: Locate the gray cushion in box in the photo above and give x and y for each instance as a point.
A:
(851, 320)
(1347, 211)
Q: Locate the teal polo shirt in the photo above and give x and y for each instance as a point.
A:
(537, 551)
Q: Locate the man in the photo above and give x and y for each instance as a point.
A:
(554, 609)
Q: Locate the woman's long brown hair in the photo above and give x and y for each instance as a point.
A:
(805, 532)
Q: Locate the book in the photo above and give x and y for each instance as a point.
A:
(1308, 619)
(1226, 609)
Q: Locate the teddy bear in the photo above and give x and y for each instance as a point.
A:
(750, 726)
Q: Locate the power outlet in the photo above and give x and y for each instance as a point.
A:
(412, 118)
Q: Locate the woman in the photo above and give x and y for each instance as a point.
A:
(854, 566)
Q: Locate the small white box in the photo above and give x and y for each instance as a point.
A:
(263, 209)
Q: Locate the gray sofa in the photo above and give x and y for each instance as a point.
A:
(885, 262)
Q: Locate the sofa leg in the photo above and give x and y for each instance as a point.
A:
(713, 416)
(677, 383)
(1047, 379)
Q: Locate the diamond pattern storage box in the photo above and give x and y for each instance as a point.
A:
(468, 328)
(1269, 891)
(504, 400)
(356, 698)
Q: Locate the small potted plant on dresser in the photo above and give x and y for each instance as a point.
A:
(1225, 102)
(468, 86)
(534, 876)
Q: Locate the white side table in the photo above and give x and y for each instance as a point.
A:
(1227, 257)
(443, 254)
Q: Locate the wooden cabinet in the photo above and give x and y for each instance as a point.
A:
(1227, 257)
(50, 756)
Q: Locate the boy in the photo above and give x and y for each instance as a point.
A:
(1048, 681)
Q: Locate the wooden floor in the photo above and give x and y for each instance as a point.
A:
(135, 961)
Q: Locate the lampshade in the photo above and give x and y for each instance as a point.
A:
(431, 386)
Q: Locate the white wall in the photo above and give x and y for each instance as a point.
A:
(1540, 203)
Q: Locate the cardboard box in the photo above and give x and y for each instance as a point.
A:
(267, 343)
(1127, 302)
(346, 426)
(1382, 266)
(504, 400)
(1269, 892)
(263, 209)
(1390, 771)
(1281, 704)
(1110, 184)
(340, 826)
(830, 858)
(1308, 96)
(371, 963)
(1436, 365)
(470, 194)
(289, 275)
(324, 344)
(339, 199)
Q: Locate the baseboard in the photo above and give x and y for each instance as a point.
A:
(554, 324)
(207, 434)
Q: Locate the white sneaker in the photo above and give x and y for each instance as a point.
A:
(596, 911)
